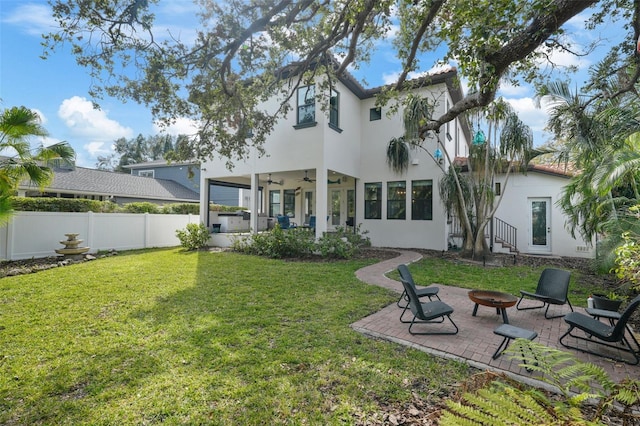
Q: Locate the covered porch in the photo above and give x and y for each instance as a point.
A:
(304, 195)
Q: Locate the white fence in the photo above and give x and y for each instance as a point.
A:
(38, 234)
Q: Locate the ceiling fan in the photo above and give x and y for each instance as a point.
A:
(306, 177)
(270, 181)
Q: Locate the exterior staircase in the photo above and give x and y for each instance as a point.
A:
(503, 233)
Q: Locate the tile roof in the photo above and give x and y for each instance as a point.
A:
(82, 180)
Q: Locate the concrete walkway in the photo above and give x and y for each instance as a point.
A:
(475, 343)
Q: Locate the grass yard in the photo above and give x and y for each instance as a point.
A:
(171, 337)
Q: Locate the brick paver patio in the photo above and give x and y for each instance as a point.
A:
(475, 343)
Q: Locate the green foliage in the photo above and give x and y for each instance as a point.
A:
(341, 244)
(577, 382)
(194, 237)
(627, 260)
(181, 208)
(224, 208)
(19, 162)
(141, 207)
(200, 338)
(277, 244)
(50, 204)
(300, 243)
(498, 404)
(224, 76)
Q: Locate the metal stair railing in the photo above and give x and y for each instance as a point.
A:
(505, 234)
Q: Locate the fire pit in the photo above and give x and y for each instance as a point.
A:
(493, 299)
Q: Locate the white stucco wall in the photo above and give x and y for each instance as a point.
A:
(515, 210)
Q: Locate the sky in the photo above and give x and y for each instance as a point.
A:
(58, 88)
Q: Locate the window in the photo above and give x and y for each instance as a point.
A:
(375, 114)
(290, 202)
(397, 200)
(422, 200)
(146, 173)
(334, 110)
(274, 203)
(373, 200)
(498, 188)
(306, 105)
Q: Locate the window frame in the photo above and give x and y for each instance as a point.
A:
(424, 210)
(272, 203)
(397, 200)
(334, 110)
(309, 98)
(289, 202)
(373, 206)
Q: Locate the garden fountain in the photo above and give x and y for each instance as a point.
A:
(71, 249)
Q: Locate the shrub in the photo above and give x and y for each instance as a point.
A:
(52, 204)
(141, 207)
(278, 243)
(181, 208)
(300, 243)
(194, 237)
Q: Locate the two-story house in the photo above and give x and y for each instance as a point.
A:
(331, 163)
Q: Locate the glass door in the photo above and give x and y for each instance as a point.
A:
(540, 225)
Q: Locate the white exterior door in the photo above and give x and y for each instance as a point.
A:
(540, 225)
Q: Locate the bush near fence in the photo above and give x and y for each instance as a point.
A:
(51, 204)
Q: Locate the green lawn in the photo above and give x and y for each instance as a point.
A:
(200, 338)
(167, 336)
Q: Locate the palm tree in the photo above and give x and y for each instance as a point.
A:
(594, 137)
(18, 162)
(470, 195)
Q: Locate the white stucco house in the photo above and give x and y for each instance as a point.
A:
(331, 163)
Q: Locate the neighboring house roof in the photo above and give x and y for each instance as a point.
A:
(159, 163)
(550, 169)
(80, 180)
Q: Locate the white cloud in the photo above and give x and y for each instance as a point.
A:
(536, 118)
(509, 90)
(181, 126)
(86, 122)
(35, 18)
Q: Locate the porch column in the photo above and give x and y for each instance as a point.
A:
(255, 199)
(322, 202)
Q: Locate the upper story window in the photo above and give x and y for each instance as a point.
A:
(334, 110)
(306, 106)
(373, 200)
(375, 114)
(422, 200)
(146, 173)
(396, 200)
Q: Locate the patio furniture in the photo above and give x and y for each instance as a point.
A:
(285, 222)
(427, 313)
(493, 299)
(552, 289)
(611, 336)
(510, 332)
(429, 292)
(612, 316)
